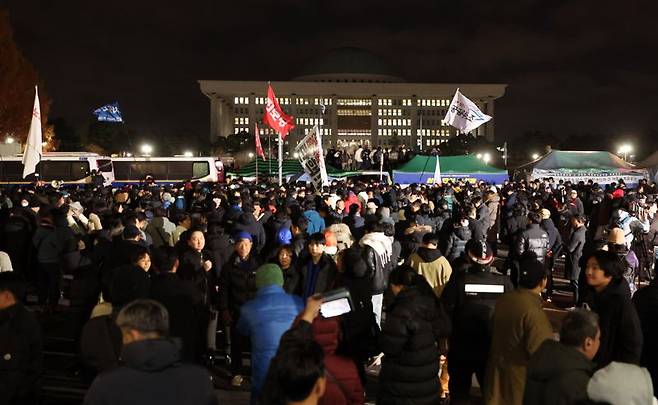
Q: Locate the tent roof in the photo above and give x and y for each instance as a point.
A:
(650, 161)
(578, 160)
(449, 164)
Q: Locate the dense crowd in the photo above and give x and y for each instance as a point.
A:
(158, 270)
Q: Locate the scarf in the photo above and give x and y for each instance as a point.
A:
(380, 243)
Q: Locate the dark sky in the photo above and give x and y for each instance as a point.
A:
(572, 66)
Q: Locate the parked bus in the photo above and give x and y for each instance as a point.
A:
(65, 168)
(167, 169)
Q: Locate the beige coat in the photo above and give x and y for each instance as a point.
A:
(520, 326)
(437, 272)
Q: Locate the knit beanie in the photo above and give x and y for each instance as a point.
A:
(267, 275)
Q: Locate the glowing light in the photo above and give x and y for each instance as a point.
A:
(188, 153)
(146, 149)
(479, 156)
(486, 157)
(9, 140)
(535, 156)
(251, 155)
(295, 155)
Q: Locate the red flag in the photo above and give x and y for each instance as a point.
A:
(275, 117)
(259, 148)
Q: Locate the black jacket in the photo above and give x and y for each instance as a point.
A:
(237, 283)
(574, 251)
(533, 239)
(554, 238)
(247, 223)
(191, 269)
(456, 243)
(557, 375)
(128, 284)
(21, 362)
(186, 312)
(409, 341)
(325, 279)
(646, 303)
(621, 334)
(471, 310)
(152, 374)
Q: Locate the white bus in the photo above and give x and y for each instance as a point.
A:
(167, 169)
(63, 167)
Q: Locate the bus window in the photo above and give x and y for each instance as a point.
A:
(12, 171)
(200, 169)
(139, 170)
(54, 170)
(179, 170)
(79, 170)
(104, 165)
(122, 170)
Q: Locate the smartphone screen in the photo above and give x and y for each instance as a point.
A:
(335, 308)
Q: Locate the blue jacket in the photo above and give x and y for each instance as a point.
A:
(315, 222)
(265, 319)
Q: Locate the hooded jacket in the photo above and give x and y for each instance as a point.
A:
(315, 222)
(432, 265)
(557, 375)
(377, 250)
(152, 374)
(409, 341)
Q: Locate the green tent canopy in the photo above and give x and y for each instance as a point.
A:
(421, 169)
(599, 166)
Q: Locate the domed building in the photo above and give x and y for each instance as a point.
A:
(355, 97)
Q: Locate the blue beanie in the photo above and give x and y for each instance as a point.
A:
(284, 236)
(242, 235)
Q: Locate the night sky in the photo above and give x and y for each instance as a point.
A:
(572, 66)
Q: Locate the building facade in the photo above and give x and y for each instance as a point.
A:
(354, 98)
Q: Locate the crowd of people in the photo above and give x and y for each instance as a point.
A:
(158, 271)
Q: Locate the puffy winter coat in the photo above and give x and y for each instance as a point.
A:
(237, 283)
(533, 239)
(342, 373)
(152, 374)
(315, 222)
(264, 319)
(456, 244)
(409, 341)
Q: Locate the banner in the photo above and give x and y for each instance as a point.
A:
(259, 147)
(33, 146)
(275, 117)
(464, 115)
(311, 157)
(602, 177)
(109, 113)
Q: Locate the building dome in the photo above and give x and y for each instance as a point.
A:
(348, 65)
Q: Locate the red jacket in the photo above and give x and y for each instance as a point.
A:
(343, 383)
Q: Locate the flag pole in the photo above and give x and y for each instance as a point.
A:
(256, 167)
(280, 160)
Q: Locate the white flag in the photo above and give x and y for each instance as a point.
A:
(464, 115)
(437, 171)
(33, 148)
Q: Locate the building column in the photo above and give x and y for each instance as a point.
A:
(252, 112)
(414, 124)
(374, 137)
(333, 114)
(489, 126)
(214, 118)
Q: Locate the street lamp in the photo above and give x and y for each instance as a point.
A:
(295, 155)
(251, 155)
(146, 149)
(479, 156)
(625, 149)
(535, 156)
(486, 157)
